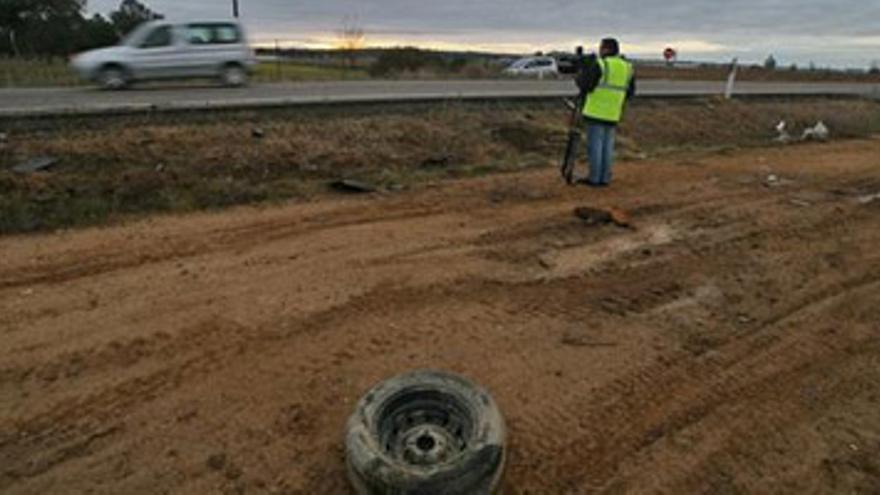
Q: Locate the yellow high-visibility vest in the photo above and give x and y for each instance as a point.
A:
(607, 100)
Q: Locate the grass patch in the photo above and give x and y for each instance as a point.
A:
(30, 73)
(293, 72)
(199, 161)
(23, 73)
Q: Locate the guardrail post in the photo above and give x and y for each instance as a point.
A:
(731, 79)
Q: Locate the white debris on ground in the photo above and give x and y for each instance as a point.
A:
(818, 132)
(782, 134)
(870, 198)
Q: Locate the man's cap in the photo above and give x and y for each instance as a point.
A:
(612, 45)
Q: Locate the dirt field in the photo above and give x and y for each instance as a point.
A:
(729, 344)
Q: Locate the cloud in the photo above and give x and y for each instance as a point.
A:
(696, 27)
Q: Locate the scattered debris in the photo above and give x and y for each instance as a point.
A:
(547, 261)
(4, 137)
(437, 161)
(35, 165)
(800, 202)
(819, 132)
(774, 180)
(352, 186)
(217, 461)
(782, 133)
(160, 167)
(870, 198)
(596, 216)
(258, 133)
(620, 218)
(575, 341)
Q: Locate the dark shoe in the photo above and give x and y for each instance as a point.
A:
(587, 182)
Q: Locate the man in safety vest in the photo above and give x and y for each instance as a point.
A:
(608, 81)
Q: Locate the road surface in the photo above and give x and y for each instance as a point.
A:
(50, 101)
(729, 344)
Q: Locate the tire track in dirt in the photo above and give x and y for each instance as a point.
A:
(36, 444)
(100, 261)
(219, 240)
(669, 396)
(648, 379)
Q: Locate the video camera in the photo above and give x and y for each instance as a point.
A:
(571, 64)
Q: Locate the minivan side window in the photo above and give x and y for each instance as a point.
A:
(161, 36)
(534, 64)
(199, 35)
(213, 34)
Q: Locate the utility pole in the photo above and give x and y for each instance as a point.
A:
(235, 8)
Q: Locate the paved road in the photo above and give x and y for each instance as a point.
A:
(50, 101)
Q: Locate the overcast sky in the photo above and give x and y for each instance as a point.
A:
(836, 32)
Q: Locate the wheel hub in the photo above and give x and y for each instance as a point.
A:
(425, 428)
(427, 445)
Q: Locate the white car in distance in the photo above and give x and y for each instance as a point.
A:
(171, 50)
(539, 67)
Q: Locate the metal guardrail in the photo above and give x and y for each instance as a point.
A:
(691, 90)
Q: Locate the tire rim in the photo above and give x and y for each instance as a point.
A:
(113, 79)
(424, 428)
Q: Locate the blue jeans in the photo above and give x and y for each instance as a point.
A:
(600, 152)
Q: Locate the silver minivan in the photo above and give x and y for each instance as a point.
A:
(172, 50)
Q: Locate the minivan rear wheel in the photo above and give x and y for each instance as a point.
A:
(113, 77)
(233, 75)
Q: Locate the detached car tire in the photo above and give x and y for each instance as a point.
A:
(426, 433)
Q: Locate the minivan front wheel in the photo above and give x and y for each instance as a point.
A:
(113, 77)
(233, 75)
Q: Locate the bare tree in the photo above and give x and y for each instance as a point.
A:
(351, 38)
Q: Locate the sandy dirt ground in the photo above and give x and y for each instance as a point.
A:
(729, 344)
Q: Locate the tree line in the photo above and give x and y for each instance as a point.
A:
(58, 28)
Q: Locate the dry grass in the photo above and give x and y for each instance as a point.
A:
(294, 72)
(38, 73)
(658, 125)
(33, 73)
(756, 74)
(28, 73)
(184, 165)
